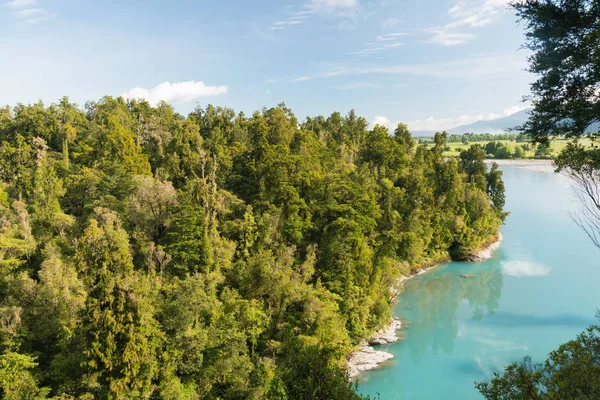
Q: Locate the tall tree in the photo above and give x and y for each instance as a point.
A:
(118, 322)
(564, 36)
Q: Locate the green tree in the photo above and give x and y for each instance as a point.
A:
(187, 240)
(490, 147)
(118, 323)
(471, 162)
(16, 379)
(519, 152)
(563, 36)
(543, 150)
(495, 187)
(502, 152)
(570, 372)
(253, 254)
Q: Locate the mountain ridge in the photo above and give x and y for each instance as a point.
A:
(494, 126)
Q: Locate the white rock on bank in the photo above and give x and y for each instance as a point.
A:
(388, 334)
(366, 358)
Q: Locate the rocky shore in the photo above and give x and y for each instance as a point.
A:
(365, 357)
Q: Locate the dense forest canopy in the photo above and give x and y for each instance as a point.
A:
(144, 254)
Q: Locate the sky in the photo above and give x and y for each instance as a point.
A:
(433, 64)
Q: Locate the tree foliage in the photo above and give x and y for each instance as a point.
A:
(144, 254)
(571, 372)
(564, 37)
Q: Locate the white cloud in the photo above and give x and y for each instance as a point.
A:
(333, 6)
(337, 8)
(29, 12)
(390, 22)
(358, 85)
(390, 36)
(175, 92)
(476, 13)
(467, 14)
(445, 123)
(380, 120)
(287, 22)
(20, 3)
(295, 18)
(373, 49)
(478, 67)
(520, 268)
(440, 124)
(446, 38)
(382, 43)
(516, 108)
(25, 11)
(345, 10)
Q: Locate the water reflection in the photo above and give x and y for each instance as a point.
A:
(431, 304)
(453, 340)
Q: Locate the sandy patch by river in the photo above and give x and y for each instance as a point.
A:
(533, 165)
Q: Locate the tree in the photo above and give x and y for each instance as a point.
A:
(150, 205)
(440, 141)
(495, 188)
(404, 137)
(67, 120)
(187, 240)
(115, 149)
(144, 254)
(502, 152)
(570, 372)
(471, 162)
(564, 37)
(118, 322)
(490, 147)
(583, 167)
(16, 379)
(46, 194)
(519, 152)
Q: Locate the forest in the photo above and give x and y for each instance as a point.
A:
(145, 254)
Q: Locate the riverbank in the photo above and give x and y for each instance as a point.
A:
(366, 357)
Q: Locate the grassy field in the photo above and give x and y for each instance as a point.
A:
(557, 146)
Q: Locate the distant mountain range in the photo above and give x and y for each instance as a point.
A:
(498, 125)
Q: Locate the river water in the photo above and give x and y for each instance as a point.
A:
(466, 321)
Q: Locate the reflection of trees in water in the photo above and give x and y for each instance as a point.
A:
(433, 304)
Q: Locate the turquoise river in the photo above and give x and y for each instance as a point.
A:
(540, 289)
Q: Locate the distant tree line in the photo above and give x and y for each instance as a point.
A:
(500, 150)
(467, 138)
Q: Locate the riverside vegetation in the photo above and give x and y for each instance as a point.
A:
(505, 146)
(564, 38)
(144, 254)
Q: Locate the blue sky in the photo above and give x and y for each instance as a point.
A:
(433, 64)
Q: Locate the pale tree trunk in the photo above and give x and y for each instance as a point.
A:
(586, 189)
